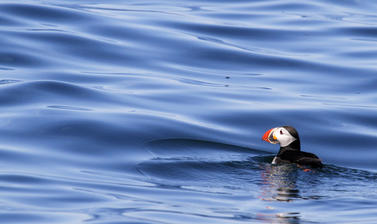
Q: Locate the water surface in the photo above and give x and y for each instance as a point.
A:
(153, 111)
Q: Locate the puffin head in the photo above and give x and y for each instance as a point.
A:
(284, 135)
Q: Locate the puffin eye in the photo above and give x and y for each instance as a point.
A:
(281, 132)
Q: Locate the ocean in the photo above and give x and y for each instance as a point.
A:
(153, 111)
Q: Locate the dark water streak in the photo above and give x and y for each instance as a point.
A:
(153, 112)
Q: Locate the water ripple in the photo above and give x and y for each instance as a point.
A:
(153, 112)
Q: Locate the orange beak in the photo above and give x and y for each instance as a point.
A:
(269, 137)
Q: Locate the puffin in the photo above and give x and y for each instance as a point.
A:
(290, 148)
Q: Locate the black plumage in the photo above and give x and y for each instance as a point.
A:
(291, 155)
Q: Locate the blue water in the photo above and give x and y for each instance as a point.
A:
(153, 111)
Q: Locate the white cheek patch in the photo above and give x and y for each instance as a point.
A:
(286, 143)
(286, 139)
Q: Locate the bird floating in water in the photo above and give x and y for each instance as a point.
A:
(290, 149)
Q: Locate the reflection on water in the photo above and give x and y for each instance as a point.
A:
(281, 218)
(279, 183)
